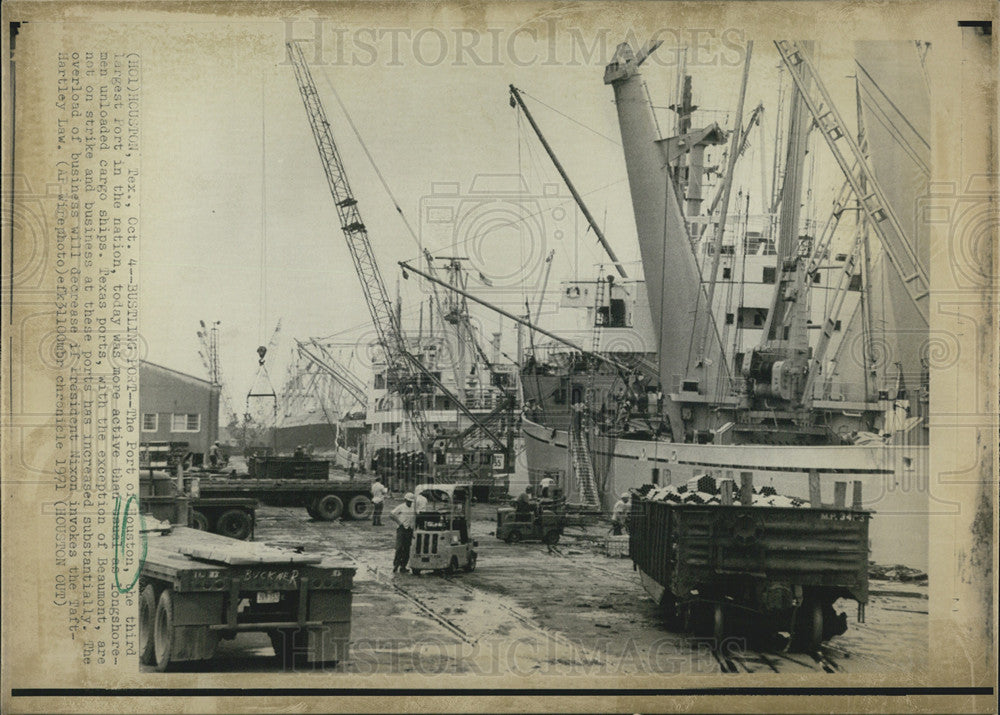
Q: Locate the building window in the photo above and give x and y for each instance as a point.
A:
(189, 422)
(150, 422)
(656, 476)
(769, 274)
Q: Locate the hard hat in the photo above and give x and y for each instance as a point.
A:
(408, 496)
(625, 495)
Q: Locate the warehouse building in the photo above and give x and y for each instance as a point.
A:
(177, 408)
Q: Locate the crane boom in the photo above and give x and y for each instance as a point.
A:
(336, 371)
(380, 307)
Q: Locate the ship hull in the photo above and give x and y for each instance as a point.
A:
(894, 478)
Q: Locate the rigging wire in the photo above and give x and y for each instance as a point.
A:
(371, 159)
(575, 121)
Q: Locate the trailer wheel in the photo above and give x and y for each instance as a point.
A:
(283, 642)
(359, 507)
(163, 630)
(235, 524)
(198, 521)
(311, 510)
(147, 621)
(329, 507)
(551, 537)
(513, 536)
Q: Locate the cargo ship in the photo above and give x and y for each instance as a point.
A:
(766, 344)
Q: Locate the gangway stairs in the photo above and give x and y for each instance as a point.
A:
(583, 467)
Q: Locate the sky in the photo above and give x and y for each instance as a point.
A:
(238, 223)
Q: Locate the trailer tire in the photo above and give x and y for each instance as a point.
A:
(513, 536)
(163, 630)
(311, 511)
(360, 507)
(235, 524)
(147, 623)
(198, 520)
(329, 507)
(283, 642)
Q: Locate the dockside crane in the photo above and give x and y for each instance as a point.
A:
(406, 375)
(401, 373)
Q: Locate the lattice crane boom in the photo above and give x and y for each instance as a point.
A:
(377, 298)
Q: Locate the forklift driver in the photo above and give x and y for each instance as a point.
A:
(525, 503)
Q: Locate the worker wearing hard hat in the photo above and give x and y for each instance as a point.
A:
(620, 514)
(406, 518)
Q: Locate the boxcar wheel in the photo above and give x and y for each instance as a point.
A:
(147, 622)
(235, 524)
(163, 630)
(329, 507)
(359, 507)
(811, 628)
(718, 624)
(198, 520)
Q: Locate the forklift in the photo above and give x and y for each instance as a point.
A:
(441, 540)
(545, 523)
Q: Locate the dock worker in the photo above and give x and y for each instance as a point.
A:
(525, 503)
(619, 515)
(546, 486)
(405, 519)
(379, 491)
(215, 456)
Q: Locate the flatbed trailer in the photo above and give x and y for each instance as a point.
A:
(781, 568)
(229, 515)
(197, 588)
(232, 516)
(326, 500)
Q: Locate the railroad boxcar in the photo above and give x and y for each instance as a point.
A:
(711, 564)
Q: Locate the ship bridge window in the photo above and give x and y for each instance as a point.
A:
(768, 275)
(729, 318)
(751, 317)
(727, 273)
(380, 381)
(855, 282)
(816, 277)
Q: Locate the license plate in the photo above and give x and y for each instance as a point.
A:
(268, 597)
